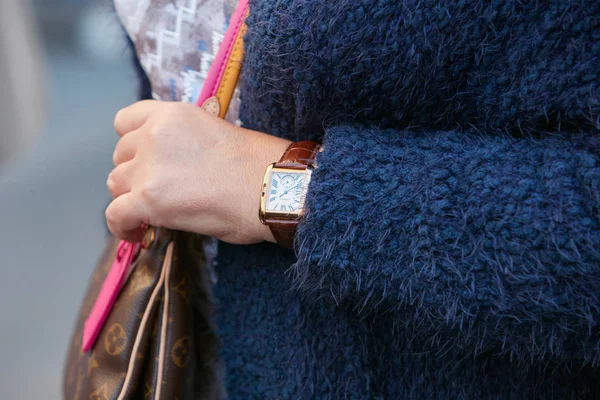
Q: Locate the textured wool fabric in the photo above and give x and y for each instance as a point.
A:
(451, 245)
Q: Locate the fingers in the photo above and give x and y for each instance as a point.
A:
(125, 218)
(120, 179)
(134, 116)
(126, 148)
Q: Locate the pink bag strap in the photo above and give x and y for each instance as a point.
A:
(225, 69)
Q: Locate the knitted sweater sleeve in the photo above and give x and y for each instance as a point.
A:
(494, 239)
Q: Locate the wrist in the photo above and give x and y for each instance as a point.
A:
(267, 235)
(267, 149)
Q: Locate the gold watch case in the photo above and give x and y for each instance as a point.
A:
(265, 214)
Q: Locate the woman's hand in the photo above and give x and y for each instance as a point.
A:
(178, 167)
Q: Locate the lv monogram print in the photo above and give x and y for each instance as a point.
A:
(115, 340)
(92, 364)
(124, 362)
(140, 280)
(148, 392)
(100, 394)
(183, 288)
(181, 352)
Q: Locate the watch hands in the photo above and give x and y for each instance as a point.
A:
(286, 192)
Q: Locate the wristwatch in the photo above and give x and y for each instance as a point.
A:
(284, 190)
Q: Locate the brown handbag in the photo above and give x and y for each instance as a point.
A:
(159, 340)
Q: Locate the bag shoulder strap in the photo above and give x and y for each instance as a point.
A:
(224, 72)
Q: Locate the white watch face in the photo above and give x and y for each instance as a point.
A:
(287, 191)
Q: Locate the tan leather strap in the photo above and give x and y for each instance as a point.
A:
(224, 72)
(299, 155)
(145, 324)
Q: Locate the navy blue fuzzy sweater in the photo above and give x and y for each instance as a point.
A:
(451, 245)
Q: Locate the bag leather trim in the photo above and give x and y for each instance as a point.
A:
(144, 322)
(165, 321)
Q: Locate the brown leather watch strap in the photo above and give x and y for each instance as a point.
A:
(284, 231)
(299, 155)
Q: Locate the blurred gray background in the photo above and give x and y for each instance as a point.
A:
(52, 185)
